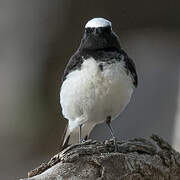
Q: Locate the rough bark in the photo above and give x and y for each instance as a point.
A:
(136, 159)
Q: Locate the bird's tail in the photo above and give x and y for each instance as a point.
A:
(72, 137)
(65, 137)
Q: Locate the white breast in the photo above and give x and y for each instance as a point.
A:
(90, 94)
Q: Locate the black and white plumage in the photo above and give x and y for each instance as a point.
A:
(98, 81)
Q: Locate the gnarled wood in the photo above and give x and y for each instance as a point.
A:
(136, 159)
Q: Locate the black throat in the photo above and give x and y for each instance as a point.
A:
(99, 39)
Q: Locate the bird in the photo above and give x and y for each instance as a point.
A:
(97, 83)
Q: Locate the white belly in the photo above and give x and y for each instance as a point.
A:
(90, 94)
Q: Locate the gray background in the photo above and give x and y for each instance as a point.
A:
(38, 37)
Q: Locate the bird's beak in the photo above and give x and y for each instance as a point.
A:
(95, 32)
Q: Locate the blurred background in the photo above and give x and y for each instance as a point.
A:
(38, 37)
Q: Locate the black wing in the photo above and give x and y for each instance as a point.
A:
(131, 68)
(74, 63)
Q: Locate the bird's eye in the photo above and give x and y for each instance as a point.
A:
(107, 29)
(88, 30)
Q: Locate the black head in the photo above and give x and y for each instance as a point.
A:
(98, 35)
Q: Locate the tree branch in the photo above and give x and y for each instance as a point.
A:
(136, 159)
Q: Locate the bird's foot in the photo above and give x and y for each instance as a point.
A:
(115, 144)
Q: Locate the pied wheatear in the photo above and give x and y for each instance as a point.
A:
(97, 83)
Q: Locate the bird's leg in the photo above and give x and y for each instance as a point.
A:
(108, 122)
(80, 133)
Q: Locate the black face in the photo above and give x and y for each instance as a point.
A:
(99, 39)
